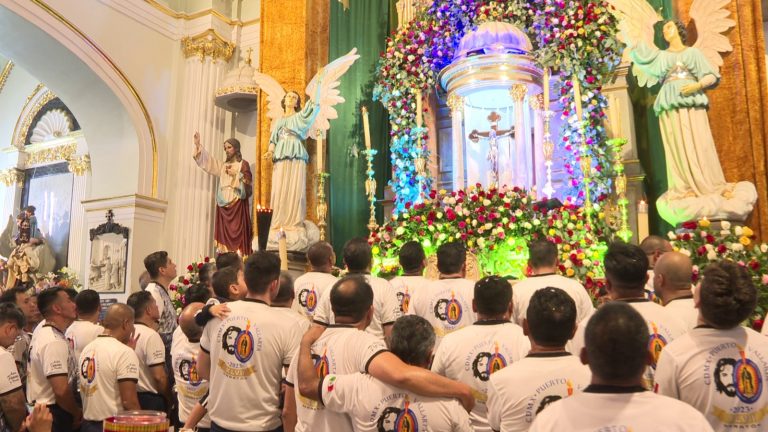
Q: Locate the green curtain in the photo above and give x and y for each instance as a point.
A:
(365, 26)
(650, 148)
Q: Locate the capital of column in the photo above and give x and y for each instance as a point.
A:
(537, 102)
(12, 176)
(455, 103)
(518, 92)
(208, 44)
(79, 165)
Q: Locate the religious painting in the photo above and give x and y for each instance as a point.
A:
(108, 260)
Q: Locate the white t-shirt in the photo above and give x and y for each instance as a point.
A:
(639, 411)
(9, 379)
(663, 327)
(168, 315)
(151, 352)
(446, 304)
(309, 288)
(523, 290)
(339, 350)
(386, 308)
(81, 333)
(471, 355)
(103, 364)
(404, 288)
(375, 406)
(519, 392)
(49, 355)
(248, 350)
(721, 373)
(189, 386)
(685, 309)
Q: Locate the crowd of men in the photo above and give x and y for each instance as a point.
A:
(254, 350)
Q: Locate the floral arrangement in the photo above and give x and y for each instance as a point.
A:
(576, 36)
(65, 277)
(736, 243)
(184, 282)
(496, 225)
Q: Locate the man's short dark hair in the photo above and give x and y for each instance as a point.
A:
(451, 257)
(261, 269)
(413, 339)
(542, 253)
(154, 261)
(11, 295)
(626, 266)
(71, 293)
(351, 297)
(30, 209)
(229, 259)
(47, 298)
(616, 340)
(411, 256)
(653, 243)
(319, 254)
(206, 272)
(357, 254)
(197, 293)
(551, 317)
(9, 312)
(727, 295)
(285, 291)
(222, 279)
(492, 295)
(87, 302)
(139, 301)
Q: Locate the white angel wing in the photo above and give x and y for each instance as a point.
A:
(636, 20)
(323, 90)
(275, 94)
(711, 17)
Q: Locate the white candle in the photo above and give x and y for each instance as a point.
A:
(419, 109)
(642, 220)
(282, 249)
(320, 153)
(366, 129)
(577, 97)
(546, 89)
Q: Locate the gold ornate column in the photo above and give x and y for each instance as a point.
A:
(293, 47)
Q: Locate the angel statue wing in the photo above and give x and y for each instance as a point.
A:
(275, 93)
(636, 20)
(323, 91)
(711, 17)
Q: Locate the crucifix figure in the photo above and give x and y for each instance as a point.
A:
(493, 136)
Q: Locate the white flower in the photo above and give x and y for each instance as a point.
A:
(738, 231)
(568, 264)
(536, 222)
(685, 252)
(725, 225)
(488, 226)
(527, 225)
(480, 241)
(431, 228)
(672, 236)
(399, 230)
(763, 248)
(709, 247)
(466, 212)
(486, 202)
(736, 246)
(474, 223)
(711, 255)
(439, 215)
(725, 232)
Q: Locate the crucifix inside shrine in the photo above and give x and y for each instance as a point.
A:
(493, 135)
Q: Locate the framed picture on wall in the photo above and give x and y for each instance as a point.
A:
(109, 257)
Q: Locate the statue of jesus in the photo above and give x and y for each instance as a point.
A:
(232, 230)
(493, 136)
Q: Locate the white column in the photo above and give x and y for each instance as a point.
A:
(539, 169)
(193, 202)
(78, 234)
(519, 174)
(456, 105)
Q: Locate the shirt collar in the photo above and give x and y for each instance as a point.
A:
(604, 388)
(251, 300)
(549, 354)
(493, 321)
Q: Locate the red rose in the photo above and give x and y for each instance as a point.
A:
(207, 259)
(709, 239)
(186, 281)
(690, 225)
(722, 249)
(199, 265)
(754, 265)
(757, 325)
(462, 224)
(190, 268)
(686, 237)
(701, 251)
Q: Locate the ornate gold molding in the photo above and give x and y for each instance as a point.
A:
(22, 126)
(455, 103)
(52, 154)
(4, 74)
(518, 92)
(79, 165)
(123, 77)
(237, 89)
(208, 43)
(12, 176)
(187, 17)
(536, 102)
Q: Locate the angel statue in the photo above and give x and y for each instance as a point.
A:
(291, 124)
(696, 184)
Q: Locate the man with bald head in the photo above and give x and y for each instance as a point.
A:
(190, 388)
(108, 370)
(672, 283)
(654, 247)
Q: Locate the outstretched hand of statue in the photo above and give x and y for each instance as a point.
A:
(474, 136)
(198, 147)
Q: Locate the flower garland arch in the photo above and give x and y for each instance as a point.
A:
(576, 37)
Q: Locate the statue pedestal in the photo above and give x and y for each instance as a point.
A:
(298, 238)
(734, 205)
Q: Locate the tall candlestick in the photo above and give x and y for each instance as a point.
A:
(366, 129)
(546, 89)
(419, 109)
(263, 223)
(577, 97)
(282, 249)
(642, 220)
(320, 153)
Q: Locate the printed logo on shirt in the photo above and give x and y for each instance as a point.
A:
(308, 299)
(486, 363)
(239, 341)
(448, 310)
(244, 344)
(188, 372)
(404, 298)
(738, 378)
(547, 393)
(737, 374)
(88, 368)
(399, 419)
(322, 365)
(656, 343)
